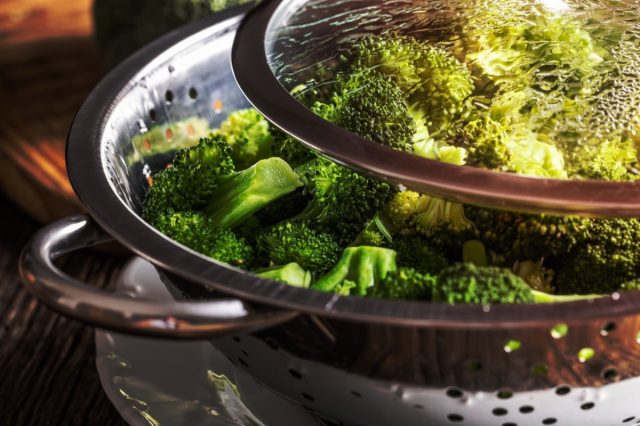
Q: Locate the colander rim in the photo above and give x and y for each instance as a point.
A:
(91, 184)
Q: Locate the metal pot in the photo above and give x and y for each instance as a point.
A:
(349, 359)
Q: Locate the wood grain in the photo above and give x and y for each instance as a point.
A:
(47, 361)
(48, 64)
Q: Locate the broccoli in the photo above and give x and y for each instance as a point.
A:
(442, 224)
(293, 241)
(404, 283)
(608, 258)
(374, 234)
(371, 105)
(467, 283)
(414, 252)
(358, 270)
(435, 82)
(200, 233)
(248, 134)
(289, 149)
(200, 198)
(291, 274)
(343, 201)
(521, 236)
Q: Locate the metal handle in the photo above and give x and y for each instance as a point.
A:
(116, 312)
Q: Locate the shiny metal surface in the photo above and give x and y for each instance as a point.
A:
(110, 175)
(348, 359)
(120, 312)
(275, 28)
(168, 383)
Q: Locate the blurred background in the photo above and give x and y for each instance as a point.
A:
(51, 56)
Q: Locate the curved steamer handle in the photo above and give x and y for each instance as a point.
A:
(123, 313)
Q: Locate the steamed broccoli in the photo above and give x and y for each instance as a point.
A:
(200, 198)
(202, 234)
(467, 283)
(358, 270)
(404, 283)
(414, 252)
(293, 241)
(608, 258)
(435, 82)
(248, 134)
(291, 274)
(343, 201)
(371, 105)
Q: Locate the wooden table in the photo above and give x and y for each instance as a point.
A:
(47, 362)
(48, 64)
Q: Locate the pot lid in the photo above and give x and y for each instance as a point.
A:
(527, 105)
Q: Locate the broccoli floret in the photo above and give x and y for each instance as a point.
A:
(289, 149)
(358, 270)
(371, 105)
(410, 212)
(608, 258)
(203, 185)
(293, 241)
(190, 181)
(291, 274)
(521, 236)
(248, 134)
(436, 83)
(414, 252)
(467, 283)
(405, 283)
(376, 233)
(343, 201)
(200, 233)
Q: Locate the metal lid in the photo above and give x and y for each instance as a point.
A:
(284, 43)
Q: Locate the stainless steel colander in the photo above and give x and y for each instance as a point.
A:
(349, 360)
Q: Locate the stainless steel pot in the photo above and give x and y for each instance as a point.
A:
(348, 359)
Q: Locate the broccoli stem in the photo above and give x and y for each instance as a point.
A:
(542, 297)
(362, 265)
(291, 274)
(241, 194)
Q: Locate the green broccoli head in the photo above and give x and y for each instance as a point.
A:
(415, 252)
(358, 270)
(202, 194)
(467, 283)
(405, 283)
(521, 236)
(248, 134)
(343, 201)
(289, 149)
(371, 105)
(608, 258)
(292, 241)
(190, 181)
(198, 232)
(435, 82)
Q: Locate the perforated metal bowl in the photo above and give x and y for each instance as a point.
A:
(349, 360)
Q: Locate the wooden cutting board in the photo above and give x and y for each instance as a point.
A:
(48, 65)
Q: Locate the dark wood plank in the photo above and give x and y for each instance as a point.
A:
(47, 362)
